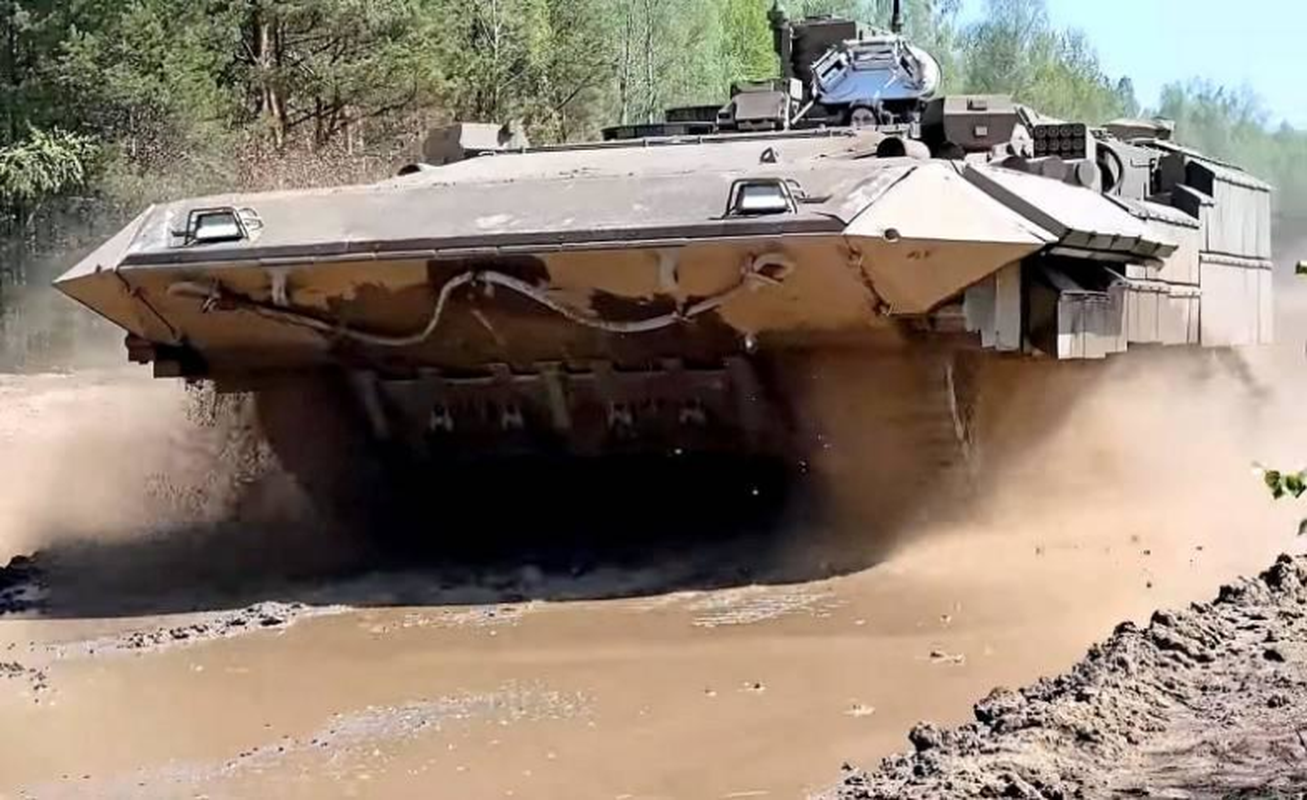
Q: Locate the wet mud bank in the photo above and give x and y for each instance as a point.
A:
(25, 592)
(1205, 702)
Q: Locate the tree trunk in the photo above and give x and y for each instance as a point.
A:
(12, 80)
(267, 58)
(624, 72)
(496, 43)
(320, 124)
(651, 88)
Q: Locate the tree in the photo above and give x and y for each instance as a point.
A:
(151, 79)
(546, 63)
(860, 10)
(34, 170)
(746, 49)
(331, 65)
(1016, 50)
(1125, 92)
(40, 166)
(575, 76)
(676, 52)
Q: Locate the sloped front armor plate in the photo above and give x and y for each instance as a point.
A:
(932, 234)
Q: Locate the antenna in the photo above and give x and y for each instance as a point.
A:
(896, 20)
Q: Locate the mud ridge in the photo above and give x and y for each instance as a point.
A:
(23, 592)
(1206, 702)
(197, 629)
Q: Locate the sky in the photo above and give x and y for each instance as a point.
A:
(1258, 43)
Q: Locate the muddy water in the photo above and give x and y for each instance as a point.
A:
(401, 685)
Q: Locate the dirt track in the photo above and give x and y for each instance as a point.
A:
(244, 661)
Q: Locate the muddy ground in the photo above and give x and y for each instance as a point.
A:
(151, 648)
(1205, 702)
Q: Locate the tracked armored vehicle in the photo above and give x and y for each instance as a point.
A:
(831, 270)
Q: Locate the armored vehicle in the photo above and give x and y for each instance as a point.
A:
(839, 267)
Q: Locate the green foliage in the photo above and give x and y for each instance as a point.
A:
(548, 64)
(33, 171)
(324, 66)
(1282, 484)
(1016, 50)
(746, 49)
(1286, 484)
(41, 166)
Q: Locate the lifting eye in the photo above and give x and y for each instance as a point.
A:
(752, 197)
